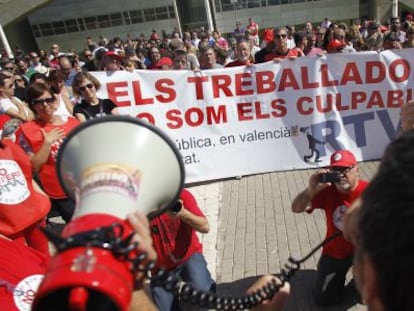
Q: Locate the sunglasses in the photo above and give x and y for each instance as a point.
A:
(83, 88)
(343, 170)
(48, 101)
(281, 36)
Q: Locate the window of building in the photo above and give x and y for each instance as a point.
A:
(274, 2)
(127, 20)
(217, 5)
(136, 17)
(171, 11)
(81, 24)
(46, 29)
(161, 12)
(59, 27)
(103, 21)
(90, 22)
(36, 31)
(150, 15)
(71, 25)
(116, 19)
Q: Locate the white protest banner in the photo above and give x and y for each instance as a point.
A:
(272, 116)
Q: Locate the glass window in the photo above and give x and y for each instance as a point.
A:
(71, 25)
(264, 3)
(217, 5)
(274, 2)
(46, 29)
(136, 17)
(103, 21)
(58, 27)
(90, 22)
(149, 15)
(161, 12)
(116, 19)
(227, 5)
(171, 11)
(127, 20)
(81, 24)
(254, 3)
(36, 31)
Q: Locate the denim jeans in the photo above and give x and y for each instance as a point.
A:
(193, 271)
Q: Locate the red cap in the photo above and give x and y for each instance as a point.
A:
(344, 158)
(335, 45)
(409, 17)
(268, 35)
(113, 54)
(165, 61)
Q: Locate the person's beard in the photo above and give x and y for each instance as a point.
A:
(343, 185)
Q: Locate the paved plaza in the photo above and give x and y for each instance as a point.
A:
(253, 232)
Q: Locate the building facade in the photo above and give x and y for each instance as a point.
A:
(70, 22)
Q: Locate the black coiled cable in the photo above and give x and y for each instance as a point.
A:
(111, 238)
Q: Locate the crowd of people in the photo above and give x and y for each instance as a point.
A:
(44, 96)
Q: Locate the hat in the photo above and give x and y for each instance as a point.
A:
(113, 54)
(409, 17)
(335, 45)
(343, 158)
(268, 35)
(165, 61)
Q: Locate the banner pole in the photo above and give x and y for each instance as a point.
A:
(6, 44)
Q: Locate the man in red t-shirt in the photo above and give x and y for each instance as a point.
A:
(179, 250)
(281, 49)
(334, 196)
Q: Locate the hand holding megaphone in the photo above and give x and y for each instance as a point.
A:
(114, 167)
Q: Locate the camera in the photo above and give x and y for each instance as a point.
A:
(176, 207)
(331, 177)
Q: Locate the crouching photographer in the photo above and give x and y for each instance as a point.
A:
(333, 190)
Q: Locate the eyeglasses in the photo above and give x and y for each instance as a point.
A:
(8, 68)
(180, 61)
(281, 36)
(48, 101)
(342, 170)
(83, 88)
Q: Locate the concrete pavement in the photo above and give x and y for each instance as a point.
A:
(253, 232)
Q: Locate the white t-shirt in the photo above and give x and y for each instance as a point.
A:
(61, 109)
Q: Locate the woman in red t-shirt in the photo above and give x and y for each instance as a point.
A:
(41, 140)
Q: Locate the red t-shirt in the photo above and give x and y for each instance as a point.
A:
(174, 240)
(290, 53)
(34, 138)
(20, 205)
(236, 63)
(335, 203)
(21, 270)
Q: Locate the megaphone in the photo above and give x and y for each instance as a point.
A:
(112, 166)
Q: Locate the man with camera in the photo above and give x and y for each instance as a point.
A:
(333, 190)
(179, 250)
